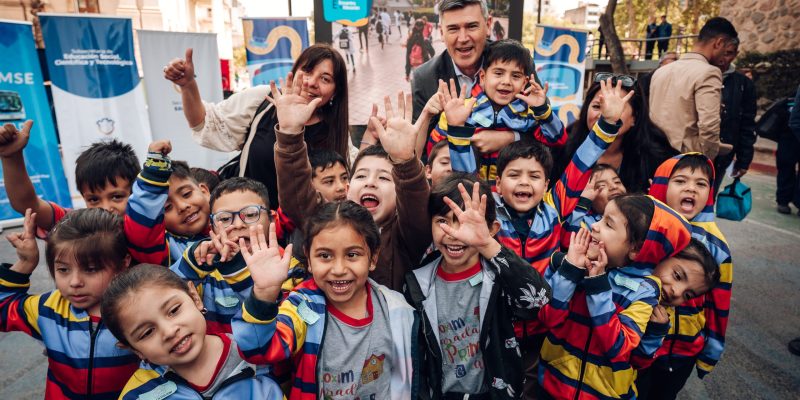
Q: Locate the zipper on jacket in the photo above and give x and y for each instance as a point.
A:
(92, 338)
(583, 364)
(672, 345)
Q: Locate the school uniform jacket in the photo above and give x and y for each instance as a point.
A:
(510, 290)
(596, 323)
(269, 333)
(148, 239)
(247, 381)
(581, 217)
(538, 122)
(404, 237)
(555, 208)
(83, 362)
(701, 323)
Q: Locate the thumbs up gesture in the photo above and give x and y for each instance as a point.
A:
(180, 71)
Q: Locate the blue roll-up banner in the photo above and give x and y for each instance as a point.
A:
(96, 86)
(272, 45)
(560, 58)
(22, 97)
(350, 10)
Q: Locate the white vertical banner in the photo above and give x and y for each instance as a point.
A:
(96, 88)
(165, 108)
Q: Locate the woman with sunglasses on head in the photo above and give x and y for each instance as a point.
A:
(246, 121)
(640, 146)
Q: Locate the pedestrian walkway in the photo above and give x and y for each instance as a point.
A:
(378, 73)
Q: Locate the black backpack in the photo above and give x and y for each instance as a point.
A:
(775, 120)
(344, 40)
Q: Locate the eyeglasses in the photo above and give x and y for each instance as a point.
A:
(249, 215)
(627, 80)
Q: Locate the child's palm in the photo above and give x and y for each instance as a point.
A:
(578, 246)
(456, 107)
(536, 95)
(400, 135)
(612, 100)
(472, 229)
(25, 242)
(268, 268)
(291, 108)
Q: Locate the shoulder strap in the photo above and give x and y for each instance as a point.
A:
(262, 110)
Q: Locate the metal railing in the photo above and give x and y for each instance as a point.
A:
(635, 49)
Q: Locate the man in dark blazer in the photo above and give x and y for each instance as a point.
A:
(465, 28)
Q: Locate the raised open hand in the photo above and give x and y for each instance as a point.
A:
(292, 109)
(472, 228)
(268, 268)
(180, 70)
(25, 244)
(612, 100)
(534, 95)
(12, 140)
(578, 246)
(456, 107)
(590, 190)
(400, 135)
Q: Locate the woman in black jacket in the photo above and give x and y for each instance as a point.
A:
(639, 149)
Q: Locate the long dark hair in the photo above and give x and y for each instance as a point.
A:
(334, 115)
(644, 146)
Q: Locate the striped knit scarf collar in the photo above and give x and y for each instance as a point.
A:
(667, 234)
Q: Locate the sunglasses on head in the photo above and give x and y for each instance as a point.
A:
(627, 80)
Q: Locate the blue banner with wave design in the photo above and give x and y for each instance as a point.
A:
(272, 45)
(560, 58)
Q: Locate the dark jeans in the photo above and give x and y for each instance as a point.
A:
(648, 49)
(531, 348)
(658, 383)
(663, 46)
(787, 159)
(364, 30)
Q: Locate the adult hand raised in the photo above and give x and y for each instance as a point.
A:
(180, 70)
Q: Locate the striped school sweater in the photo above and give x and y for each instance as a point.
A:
(699, 329)
(148, 239)
(269, 333)
(596, 323)
(555, 208)
(539, 122)
(83, 361)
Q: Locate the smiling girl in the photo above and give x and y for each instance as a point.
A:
(347, 336)
(85, 250)
(158, 316)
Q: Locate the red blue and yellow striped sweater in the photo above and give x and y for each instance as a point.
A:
(596, 323)
(83, 360)
(517, 116)
(558, 203)
(699, 331)
(148, 239)
(268, 333)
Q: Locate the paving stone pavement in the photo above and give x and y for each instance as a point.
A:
(378, 73)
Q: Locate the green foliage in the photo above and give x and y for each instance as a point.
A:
(775, 74)
(685, 20)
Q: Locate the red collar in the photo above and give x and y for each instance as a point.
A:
(459, 276)
(354, 322)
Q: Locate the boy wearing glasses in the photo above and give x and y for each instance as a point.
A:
(215, 265)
